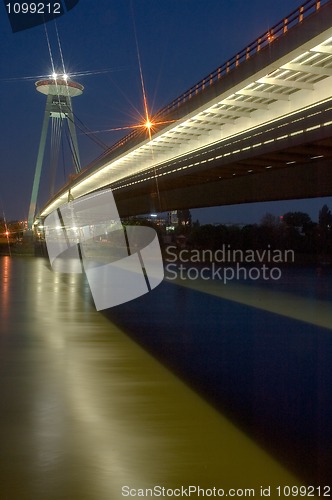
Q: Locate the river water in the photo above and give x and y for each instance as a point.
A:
(195, 383)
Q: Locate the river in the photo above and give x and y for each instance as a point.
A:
(195, 383)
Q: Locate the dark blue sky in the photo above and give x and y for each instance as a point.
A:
(180, 41)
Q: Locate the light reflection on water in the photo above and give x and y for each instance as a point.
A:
(4, 295)
(85, 410)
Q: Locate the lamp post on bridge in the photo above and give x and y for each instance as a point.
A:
(59, 91)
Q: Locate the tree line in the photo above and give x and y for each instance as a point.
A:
(293, 230)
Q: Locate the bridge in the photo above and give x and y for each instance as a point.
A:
(258, 128)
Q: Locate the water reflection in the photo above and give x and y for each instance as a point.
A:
(85, 410)
(261, 354)
(5, 263)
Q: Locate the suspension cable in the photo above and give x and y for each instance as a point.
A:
(72, 149)
(89, 133)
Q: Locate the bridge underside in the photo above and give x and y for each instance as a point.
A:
(304, 180)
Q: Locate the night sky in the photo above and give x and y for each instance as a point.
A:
(179, 41)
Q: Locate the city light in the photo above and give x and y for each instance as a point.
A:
(148, 124)
(58, 76)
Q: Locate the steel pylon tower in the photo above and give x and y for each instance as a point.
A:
(59, 91)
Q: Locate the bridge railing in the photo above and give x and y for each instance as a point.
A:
(293, 19)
